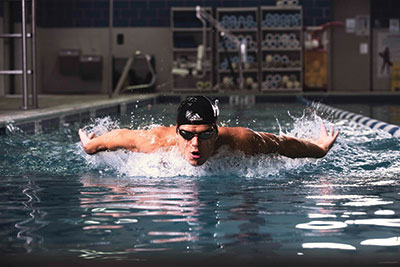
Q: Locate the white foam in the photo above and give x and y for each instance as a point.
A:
(171, 164)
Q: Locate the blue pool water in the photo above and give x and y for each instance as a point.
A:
(59, 205)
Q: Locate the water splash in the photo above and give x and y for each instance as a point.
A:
(360, 153)
(171, 164)
(225, 163)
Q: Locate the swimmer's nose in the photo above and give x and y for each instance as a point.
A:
(195, 141)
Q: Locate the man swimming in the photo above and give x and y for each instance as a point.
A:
(197, 137)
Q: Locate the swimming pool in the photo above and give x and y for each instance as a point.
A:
(59, 205)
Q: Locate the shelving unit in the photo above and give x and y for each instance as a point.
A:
(274, 38)
(281, 56)
(187, 35)
(243, 23)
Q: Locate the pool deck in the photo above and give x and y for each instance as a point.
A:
(11, 111)
(60, 109)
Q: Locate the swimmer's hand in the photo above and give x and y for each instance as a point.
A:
(326, 139)
(86, 140)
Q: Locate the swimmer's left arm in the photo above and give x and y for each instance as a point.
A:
(300, 148)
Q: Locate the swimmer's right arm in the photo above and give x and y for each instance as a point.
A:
(300, 148)
(113, 140)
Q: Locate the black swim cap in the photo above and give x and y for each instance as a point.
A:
(197, 110)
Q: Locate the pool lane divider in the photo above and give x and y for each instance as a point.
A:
(357, 118)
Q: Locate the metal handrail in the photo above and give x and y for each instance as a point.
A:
(14, 72)
(25, 71)
(33, 55)
(15, 35)
(24, 56)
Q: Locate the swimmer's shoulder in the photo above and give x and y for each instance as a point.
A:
(163, 130)
(165, 135)
(245, 139)
(235, 132)
(151, 140)
(235, 137)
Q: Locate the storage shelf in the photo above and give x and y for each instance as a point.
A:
(193, 89)
(253, 31)
(194, 49)
(236, 9)
(207, 70)
(277, 90)
(188, 29)
(252, 50)
(282, 49)
(292, 54)
(243, 30)
(281, 29)
(215, 54)
(222, 71)
(281, 8)
(281, 69)
(185, 42)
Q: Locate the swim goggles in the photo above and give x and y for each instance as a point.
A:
(202, 135)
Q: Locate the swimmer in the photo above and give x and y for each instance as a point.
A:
(197, 137)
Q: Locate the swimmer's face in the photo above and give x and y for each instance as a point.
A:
(196, 142)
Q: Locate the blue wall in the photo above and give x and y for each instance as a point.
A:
(149, 13)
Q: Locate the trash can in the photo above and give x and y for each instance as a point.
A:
(91, 67)
(69, 61)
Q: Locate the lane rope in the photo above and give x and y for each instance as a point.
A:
(392, 129)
